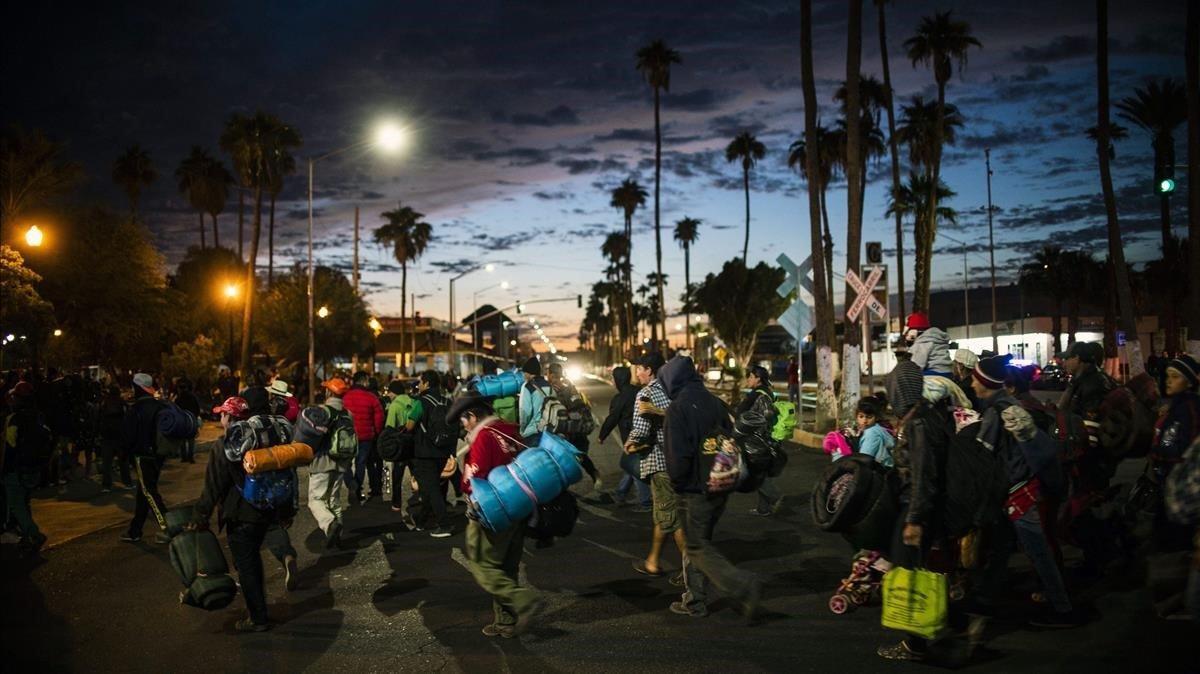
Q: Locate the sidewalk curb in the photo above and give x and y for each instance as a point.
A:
(808, 440)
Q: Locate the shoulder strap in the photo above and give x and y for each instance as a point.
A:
(506, 435)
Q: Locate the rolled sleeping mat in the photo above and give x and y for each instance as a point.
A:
(565, 456)
(517, 497)
(500, 385)
(845, 491)
(488, 506)
(539, 471)
(279, 457)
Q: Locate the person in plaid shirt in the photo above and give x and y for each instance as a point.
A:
(646, 439)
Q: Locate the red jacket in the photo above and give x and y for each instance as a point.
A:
(366, 411)
(494, 444)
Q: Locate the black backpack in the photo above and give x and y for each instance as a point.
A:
(553, 519)
(438, 436)
(394, 444)
(975, 482)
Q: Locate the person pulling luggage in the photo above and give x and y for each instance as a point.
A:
(246, 526)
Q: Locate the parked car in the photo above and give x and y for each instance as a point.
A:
(1052, 378)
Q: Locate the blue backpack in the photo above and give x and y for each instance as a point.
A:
(270, 490)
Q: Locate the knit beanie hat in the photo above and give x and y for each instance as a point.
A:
(1186, 366)
(905, 385)
(532, 366)
(990, 371)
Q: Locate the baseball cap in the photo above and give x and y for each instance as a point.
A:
(145, 382)
(337, 386)
(234, 406)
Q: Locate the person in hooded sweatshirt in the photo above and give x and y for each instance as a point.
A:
(693, 415)
(929, 346)
(620, 419)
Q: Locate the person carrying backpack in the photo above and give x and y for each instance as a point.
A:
(398, 410)
(620, 419)
(533, 397)
(366, 410)
(329, 430)
(761, 399)
(495, 556)
(139, 437)
(434, 447)
(246, 525)
(25, 446)
(260, 412)
(188, 402)
(579, 414)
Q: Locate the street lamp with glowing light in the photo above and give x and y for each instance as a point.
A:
(34, 236)
(323, 312)
(58, 332)
(231, 290)
(390, 137)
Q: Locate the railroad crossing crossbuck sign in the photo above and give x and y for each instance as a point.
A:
(798, 319)
(865, 295)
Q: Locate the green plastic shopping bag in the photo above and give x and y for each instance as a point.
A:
(914, 601)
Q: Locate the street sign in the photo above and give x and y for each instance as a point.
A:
(797, 320)
(864, 295)
(796, 275)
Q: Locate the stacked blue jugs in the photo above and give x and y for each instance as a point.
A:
(538, 474)
(500, 385)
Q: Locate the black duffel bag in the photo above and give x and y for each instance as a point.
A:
(200, 563)
(553, 519)
(394, 444)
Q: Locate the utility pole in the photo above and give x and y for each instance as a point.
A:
(987, 158)
(354, 365)
(413, 304)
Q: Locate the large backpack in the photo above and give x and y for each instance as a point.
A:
(554, 413)
(394, 444)
(436, 434)
(258, 431)
(579, 419)
(270, 490)
(343, 440)
(176, 423)
(506, 408)
(200, 563)
(1183, 488)
(974, 482)
(553, 519)
(785, 419)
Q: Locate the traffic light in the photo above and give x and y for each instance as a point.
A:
(1166, 185)
(579, 301)
(520, 307)
(874, 252)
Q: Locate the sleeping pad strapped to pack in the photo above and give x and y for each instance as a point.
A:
(857, 498)
(200, 563)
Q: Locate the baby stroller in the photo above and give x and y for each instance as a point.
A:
(866, 573)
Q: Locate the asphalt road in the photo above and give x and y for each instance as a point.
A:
(402, 601)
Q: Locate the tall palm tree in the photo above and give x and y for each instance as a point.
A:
(889, 105)
(687, 231)
(1159, 109)
(280, 163)
(1115, 132)
(217, 181)
(32, 173)
(826, 411)
(654, 62)
(192, 184)
(830, 150)
(408, 235)
(911, 200)
(749, 151)
(940, 42)
(132, 172)
(1116, 248)
(1048, 275)
(855, 184)
(250, 141)
(655, 311)
(615, 249)
(628, 197)
(1192, 57)
(924, 132)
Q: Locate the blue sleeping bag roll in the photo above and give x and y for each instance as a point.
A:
(538, 475)
(500, 385)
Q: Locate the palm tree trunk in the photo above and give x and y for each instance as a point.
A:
(687, 295)
(746, 185)
(1192, 56)
(851, 329)
(271, 244)
(1116, 249)
(404, 312)
(216, 232)
(931, 212)
(895, 152)
(627, 298)
(203, 233)
(248, 312)
(828, 237)
(662, 316)
(241, 215)
(826, 401)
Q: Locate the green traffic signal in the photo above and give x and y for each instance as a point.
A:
(1166, 186)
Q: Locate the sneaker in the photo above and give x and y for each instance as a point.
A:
(131, 538)
(1056, 620)
(441, 532)
(900, 651)
(495, 630)
(334, 540)
(290, 573)
(248, 625)
(677, 580)
(682, 609)
(410, 522)
(162, 538)
(777, 506)
(760, 512)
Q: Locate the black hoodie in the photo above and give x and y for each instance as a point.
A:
(694, 414)
(620, 408)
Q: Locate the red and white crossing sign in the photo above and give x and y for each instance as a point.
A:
(865, 295)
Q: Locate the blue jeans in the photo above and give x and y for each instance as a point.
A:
(1033, 542)
(366, 464)
(643, 489)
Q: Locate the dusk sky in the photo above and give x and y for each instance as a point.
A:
(525, 115)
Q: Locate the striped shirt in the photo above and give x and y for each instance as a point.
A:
(645, 425)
